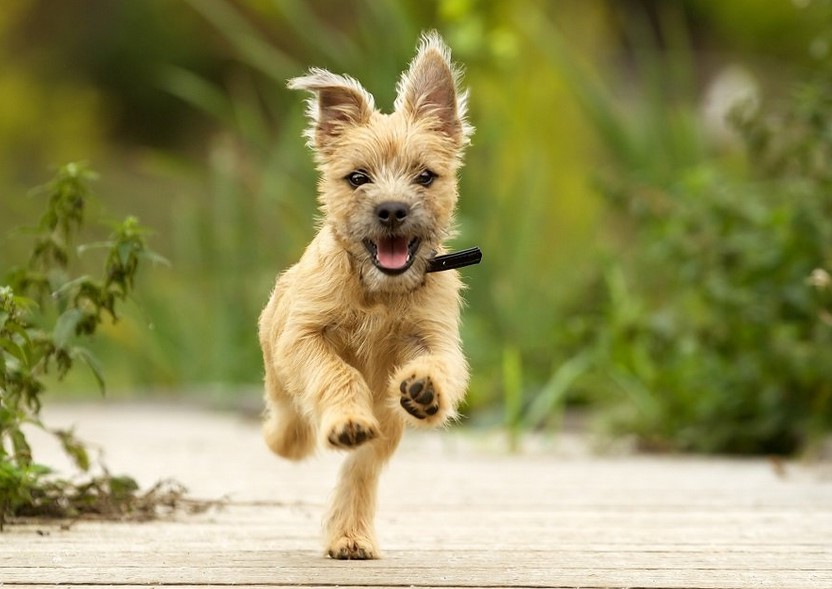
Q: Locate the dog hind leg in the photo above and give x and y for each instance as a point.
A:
(288, 433)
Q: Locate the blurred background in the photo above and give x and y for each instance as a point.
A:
(650, 183)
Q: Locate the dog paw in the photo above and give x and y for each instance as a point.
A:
(351, 433)
(350, 548)
(419, 397)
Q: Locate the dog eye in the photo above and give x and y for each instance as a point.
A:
(358, 178)
(425, 178)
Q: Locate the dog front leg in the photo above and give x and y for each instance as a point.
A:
(327, 388)
(431, 385)
(349, 527)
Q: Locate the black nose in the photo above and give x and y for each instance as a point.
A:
(392, 214)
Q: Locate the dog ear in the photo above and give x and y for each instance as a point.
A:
(338, 103)
(430, 89)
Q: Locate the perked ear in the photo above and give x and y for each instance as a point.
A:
(430, 88)
(338, 103)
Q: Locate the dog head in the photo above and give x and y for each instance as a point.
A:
(388, 185)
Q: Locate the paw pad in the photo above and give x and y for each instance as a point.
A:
(419, 397)
(350, 434)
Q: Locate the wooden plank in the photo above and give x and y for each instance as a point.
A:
(457, 530)
(365, 574)
(483, 558)
(453, 513)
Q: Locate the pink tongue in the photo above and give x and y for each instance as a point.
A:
(392, 252)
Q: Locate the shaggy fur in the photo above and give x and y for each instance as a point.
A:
(358, 343)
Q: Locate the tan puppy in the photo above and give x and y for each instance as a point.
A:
(358, 339)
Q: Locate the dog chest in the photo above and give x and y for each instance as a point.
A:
(373, 340)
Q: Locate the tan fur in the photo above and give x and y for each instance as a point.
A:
(344, 342)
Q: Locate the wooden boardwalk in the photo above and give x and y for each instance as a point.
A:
(455, 511)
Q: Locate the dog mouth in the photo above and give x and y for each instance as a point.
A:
(393, 254)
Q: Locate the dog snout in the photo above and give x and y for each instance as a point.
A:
(392, 214)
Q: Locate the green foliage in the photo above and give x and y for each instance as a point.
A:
(44, 313)
(711, 336)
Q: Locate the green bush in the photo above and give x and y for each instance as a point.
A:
(45, 314)
(710, 335)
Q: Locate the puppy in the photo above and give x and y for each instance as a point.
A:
(359, 338)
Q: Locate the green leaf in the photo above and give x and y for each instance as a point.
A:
(14, 350)
(66, 326)
(74, 448)
(155, 258)
(20, 447)
(125, 251)
(79, 283)
(123, 487)
(79, 353)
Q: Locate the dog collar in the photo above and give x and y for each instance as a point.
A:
(460, 259)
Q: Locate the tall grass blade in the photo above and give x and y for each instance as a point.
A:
(552, 396)
(249, 42)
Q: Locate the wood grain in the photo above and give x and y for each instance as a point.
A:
(454, 512)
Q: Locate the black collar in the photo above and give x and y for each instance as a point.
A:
(460, 259)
